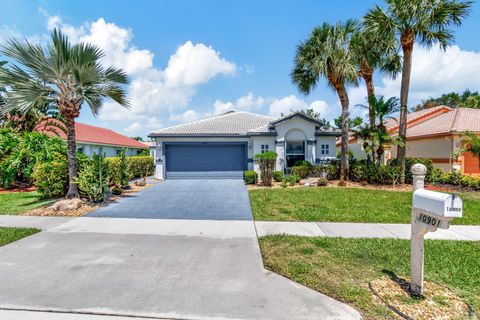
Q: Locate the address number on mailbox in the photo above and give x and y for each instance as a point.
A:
(423, 218)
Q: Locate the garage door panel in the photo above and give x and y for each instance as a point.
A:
(222, 159)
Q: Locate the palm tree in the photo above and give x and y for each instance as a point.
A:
(64, 75)
(415, 21)
(379, 135)
(375, 53)
(326, 54)
(472, 145)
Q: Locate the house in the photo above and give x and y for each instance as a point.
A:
(434, 133)
(223, 146)
(91, 139)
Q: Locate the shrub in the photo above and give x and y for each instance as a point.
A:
(322, 182)
(470, 182)
(266, 161)
(51, 178)
(409, 162)
(284, 183)
(319, 171)
(250, 177)
(333, 171)
(358, 171)
(93, 179)
(118, 170)
(277, 176)
(301, 171)
(303, 163)
(140, 166)
(117, 190)
(19, 152)
(293, 179)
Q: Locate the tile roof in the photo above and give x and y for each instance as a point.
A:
(231, 123)
(91, 134)
(455, 121)
(413, 117)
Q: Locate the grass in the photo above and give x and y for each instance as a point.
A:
(8, 235)
(342, 268)
(20, 202)
(346, 205)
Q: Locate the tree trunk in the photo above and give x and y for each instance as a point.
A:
(342, 94)
(72, 158)
(402, 132)
(368, 78)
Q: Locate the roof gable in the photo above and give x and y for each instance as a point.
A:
(297, 114)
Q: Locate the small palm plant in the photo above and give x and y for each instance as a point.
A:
(67, 76)
(472, 144)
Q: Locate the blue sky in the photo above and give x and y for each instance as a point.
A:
(192, 59)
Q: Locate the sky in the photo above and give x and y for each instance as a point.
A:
(187, 60)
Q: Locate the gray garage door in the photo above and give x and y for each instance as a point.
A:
(205, 160)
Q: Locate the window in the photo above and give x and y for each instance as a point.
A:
(295, 151)
(81, 150)
(325, 149)
(118, 151)
(264, 148)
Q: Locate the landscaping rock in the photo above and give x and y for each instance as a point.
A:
(67, 205)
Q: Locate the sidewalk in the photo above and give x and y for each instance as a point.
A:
(362, 230)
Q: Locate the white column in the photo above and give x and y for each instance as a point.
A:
(310, 156)
(280, 150)
(417, 236)
(159, 161)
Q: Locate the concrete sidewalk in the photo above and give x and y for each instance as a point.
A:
(361, 230)
(42, 223)
(168, 269)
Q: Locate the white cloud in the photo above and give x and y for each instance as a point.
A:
(133, 127)
(188, 116)
(434, 72)
(192, 65)
(220, 107)
(249, 102)
(286, 104)
(151, 91)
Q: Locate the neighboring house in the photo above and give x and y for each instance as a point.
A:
(434, 133)
(224, 146)
(91, 139)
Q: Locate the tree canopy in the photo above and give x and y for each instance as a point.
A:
(466, 99)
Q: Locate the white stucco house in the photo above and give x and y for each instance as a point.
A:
(224, 146)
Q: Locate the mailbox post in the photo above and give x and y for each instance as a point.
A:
(430, 210)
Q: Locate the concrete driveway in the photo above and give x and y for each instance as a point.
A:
(161, 269)
(220, 199)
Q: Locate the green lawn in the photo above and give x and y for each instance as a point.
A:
(345, 205)
(19, 202)
(342, 268)
(8, 235)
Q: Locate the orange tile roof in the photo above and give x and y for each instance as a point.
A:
(97, 135)
(455, 121)
(417, 116)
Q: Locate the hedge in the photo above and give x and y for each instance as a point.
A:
(138, 166)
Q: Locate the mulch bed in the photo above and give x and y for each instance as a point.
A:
(86, 206)
(437, 302)
(14, 189)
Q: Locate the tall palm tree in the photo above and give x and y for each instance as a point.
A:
(62, 74)
(373, 53)
(327, 54)
(415, 21)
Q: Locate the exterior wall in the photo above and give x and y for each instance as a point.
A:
(330, 141)
(109, 151)
(439, 149)
(256, 146)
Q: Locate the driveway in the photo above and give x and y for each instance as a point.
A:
(162, 269)
(220, 199)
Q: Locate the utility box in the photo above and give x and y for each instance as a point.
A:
(436, 209)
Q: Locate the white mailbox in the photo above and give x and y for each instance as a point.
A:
(436, 209)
